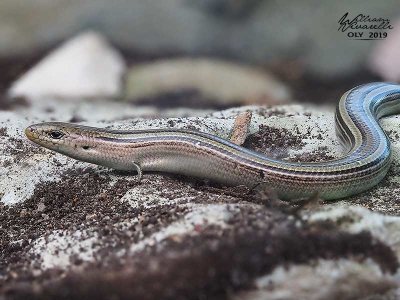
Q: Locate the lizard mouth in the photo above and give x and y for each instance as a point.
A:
(31, 133)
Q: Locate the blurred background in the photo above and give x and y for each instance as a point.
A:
(266, 51)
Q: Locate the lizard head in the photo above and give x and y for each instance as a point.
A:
(69, 139)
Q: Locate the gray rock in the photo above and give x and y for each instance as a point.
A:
(324, 279)
(356, 219)
(64, 214)
(225, 83)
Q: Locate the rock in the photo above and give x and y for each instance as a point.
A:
(225, 83)
(240, 128)
(325, 279)
(356, 219)
(59, 249)
(100, 233)
(85, 66)
(385, 57)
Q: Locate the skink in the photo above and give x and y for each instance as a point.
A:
(191, 153)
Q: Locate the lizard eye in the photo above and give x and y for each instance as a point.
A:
(56, 134)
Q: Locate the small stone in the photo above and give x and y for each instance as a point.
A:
(90, 217)
(23, 212)
(241, 128)
(40, 207)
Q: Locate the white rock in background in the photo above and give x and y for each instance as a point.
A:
(85, 66)
(385, 58)
(219, 80)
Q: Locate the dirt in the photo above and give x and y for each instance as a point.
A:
(380, 199)
(3, 131)
(274, 142)
(19, 149)
(320, 154)
(82, 200)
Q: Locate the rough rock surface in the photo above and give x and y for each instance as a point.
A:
(72, 230)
